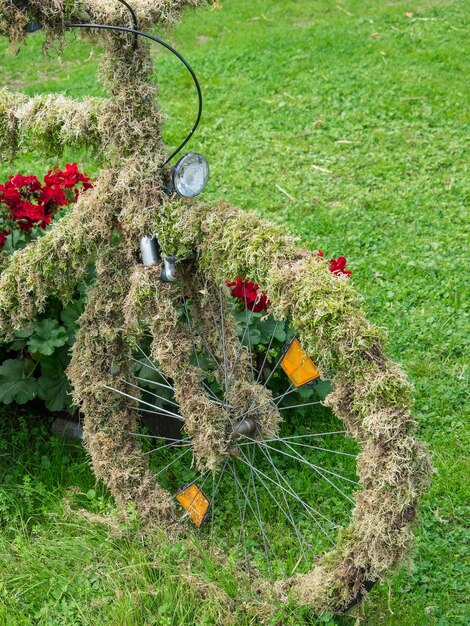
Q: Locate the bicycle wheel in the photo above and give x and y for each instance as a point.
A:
(243, 437)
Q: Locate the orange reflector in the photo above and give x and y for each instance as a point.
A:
(298, 366)
(194, 502)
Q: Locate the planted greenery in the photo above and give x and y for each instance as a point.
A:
(34, 362)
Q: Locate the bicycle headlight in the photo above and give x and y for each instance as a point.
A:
(190, 175)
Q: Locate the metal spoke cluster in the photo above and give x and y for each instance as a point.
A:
(254, 473)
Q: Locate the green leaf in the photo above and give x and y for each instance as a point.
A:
(23, 333)
(48, 336)
(17, 345)
(53, 385)
(15, 386)
(267, 326)
(323, 388)
(71, 314)
(202, 360)
(252, 338)
(21, 336)
(55, 391)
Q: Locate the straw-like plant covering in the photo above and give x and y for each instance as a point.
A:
(371, 394)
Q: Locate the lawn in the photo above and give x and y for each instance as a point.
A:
(349, 123)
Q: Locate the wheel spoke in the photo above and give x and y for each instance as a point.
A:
(154, 395)
(151, 364)
(126, 395)
(300, 405)
(242, 528)
(180, 444)
(250, 354)
(260, 519)
(154, 412)
(273, 400)
(153, 382)
(255, 441)
(277, 401)
(215, 489)
(305, 445)
(173, 462)
(287, 514)
(242, 525)
(266, 541)
(155, 437)
(224, 349)
(192, 328)
(240, 348)
(301, 459)
(290, 491)
(191, 332)
(320, 472)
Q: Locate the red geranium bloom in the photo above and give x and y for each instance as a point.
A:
(338, 266)
(247, 292)
(19, 188)
(67, 178)
(53, 196)
(32, 204)
(28, 214)
(44, 223)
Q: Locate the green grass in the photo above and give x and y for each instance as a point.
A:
(361, 115)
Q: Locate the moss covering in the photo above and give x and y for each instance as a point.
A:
(54, 14)
(50, 123)
(371, 394)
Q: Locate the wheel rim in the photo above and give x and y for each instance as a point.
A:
(276, 503)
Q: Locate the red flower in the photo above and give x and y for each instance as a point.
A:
(44, 223)
(17, 189)
(32, 204)
(69, 178)
(247, 292)
(53, 196)
(338, 266)
(27, 214)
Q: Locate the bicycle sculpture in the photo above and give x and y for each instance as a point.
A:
(160, 336)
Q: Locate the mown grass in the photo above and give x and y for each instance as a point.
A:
(360, 113)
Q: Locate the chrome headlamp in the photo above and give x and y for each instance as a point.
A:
(190, 175)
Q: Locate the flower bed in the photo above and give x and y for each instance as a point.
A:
(33, 364)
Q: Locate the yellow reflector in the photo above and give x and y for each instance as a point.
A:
(298, 366)
(194, 502)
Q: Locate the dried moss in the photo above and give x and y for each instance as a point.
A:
(371, 394)
(100, 361)
(54, 14)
